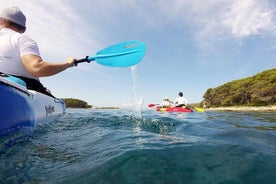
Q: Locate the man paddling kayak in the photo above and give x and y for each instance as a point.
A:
(19, 54)
(180, 101)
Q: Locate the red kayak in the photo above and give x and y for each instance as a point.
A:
(174, 109)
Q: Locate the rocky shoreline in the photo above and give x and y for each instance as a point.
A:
(244, 108)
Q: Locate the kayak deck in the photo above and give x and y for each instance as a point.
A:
(174, 109)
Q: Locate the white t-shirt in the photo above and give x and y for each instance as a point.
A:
(165, 103)
(13, 46)
(181, 100)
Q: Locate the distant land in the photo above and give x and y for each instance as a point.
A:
(107, 108)
(76, 103)
(257, 90)
(244, 108)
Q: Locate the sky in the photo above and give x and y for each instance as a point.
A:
(191, 45)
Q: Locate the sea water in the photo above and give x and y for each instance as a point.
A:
(138, 145)
(116, 146)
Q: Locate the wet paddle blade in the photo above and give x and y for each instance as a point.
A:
(120, 55)
(199, 109)
(151, 105)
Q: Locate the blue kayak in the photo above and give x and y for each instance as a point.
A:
(21, 107)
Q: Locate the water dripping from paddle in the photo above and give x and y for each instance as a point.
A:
(137, 102)
(137, 98)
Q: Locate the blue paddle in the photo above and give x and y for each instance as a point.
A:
(120, 55)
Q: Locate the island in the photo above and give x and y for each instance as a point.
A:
(255, 93)
(76, 103)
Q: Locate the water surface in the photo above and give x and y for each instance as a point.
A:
(117, 146)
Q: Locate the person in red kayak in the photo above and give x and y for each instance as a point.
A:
(180, 100)
(166, 102)
(19, 54)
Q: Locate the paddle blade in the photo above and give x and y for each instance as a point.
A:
(199, 109)
(120, 55)
(151, 105)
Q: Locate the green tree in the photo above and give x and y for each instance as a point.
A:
(76, 103)
(259, 89)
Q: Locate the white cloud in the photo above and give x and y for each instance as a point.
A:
(58, 28)
(272, 48)
(249, 18)
(213, 18)
(213, 24)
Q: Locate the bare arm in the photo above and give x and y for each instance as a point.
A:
(39, 68)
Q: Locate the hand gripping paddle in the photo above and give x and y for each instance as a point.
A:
(120, 55)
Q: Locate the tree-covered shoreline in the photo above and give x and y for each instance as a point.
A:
(76, 103)
(257, 90)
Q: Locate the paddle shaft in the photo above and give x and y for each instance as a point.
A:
(82, 61)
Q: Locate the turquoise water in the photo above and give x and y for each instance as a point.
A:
(120, 146)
